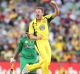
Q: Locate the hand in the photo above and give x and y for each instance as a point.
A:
(12, 60)
(52, 3)
(39, 37)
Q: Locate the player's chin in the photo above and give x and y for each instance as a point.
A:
(38, 18)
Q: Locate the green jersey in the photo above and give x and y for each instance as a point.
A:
(26, 48)
(28, 53)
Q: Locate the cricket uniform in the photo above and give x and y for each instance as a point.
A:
(28, 54)
(41, 28)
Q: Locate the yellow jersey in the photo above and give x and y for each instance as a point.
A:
(40, 27)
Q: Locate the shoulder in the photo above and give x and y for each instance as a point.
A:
(48, 16)
(23, 38)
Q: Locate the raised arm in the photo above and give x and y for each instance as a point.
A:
(54, 5)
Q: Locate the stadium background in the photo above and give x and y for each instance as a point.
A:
(64, 32)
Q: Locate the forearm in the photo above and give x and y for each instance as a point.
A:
(56, 10)
(15, 55)
(33, 37)
(54, 5)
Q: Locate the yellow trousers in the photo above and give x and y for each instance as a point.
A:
(44, 51)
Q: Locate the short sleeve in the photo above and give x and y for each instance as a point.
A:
(49, 17)
(20, 45)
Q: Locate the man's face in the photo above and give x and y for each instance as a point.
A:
(39, 14)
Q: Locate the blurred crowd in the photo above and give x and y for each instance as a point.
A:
(64, 29)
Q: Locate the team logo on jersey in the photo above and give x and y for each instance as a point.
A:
(26, 44)
(42, 27)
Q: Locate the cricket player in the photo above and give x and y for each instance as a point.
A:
(38, 30)
(28, 53)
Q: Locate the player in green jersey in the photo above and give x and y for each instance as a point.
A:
(28, 53)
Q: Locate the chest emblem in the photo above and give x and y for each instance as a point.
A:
(42, 27)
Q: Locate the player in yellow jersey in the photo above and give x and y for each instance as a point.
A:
(38, 30)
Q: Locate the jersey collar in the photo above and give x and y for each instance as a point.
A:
(35, 21)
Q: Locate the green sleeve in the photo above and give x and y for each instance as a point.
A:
(20, 45)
